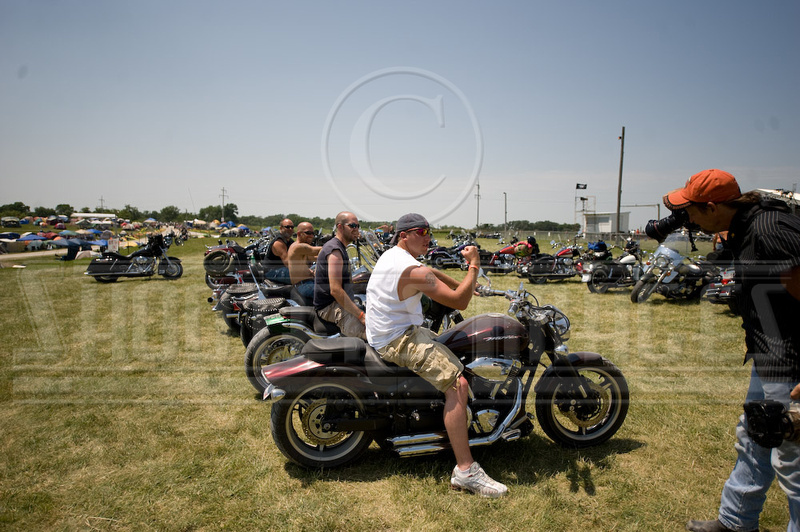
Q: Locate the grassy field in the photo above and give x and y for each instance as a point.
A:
(126, 407)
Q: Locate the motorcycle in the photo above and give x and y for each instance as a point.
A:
(616, 273)
(151, 259)
(506, 259)
(331, 402)
(284, 334)
(441, 257)
(724, 291)
(672, 275)
(559, 266)
(226, 264)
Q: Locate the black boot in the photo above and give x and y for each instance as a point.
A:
(709, 526)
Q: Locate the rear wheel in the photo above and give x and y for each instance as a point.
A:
(576, 420)
(300, 433)
(106, 278)
(598, 283)
(266, 348)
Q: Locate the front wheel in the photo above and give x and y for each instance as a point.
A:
(642, 290)
(266, 348)
(576, 420)
(298, 425)
(173, 270)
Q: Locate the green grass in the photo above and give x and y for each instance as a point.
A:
(125, 407)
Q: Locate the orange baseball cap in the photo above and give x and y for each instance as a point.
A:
(712, 185)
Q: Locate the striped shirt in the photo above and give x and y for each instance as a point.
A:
(765, 240)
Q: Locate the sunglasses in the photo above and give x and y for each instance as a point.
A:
(287, 227)
(310, 233)
(353, 226)
(422, 231)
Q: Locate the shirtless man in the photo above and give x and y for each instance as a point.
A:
(300, 257)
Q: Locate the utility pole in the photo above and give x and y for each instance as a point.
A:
(619, 185)
(223, 204)
(478, 197)
(505, 214)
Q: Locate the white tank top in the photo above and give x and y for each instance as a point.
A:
(387, 317)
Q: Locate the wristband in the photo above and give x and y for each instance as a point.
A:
(473, 266)
(361, 315)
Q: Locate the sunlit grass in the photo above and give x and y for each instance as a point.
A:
(126, 407)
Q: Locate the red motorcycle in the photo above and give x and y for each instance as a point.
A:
(338, 396)
(561, 265)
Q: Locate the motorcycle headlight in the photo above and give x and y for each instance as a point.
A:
(662, 262)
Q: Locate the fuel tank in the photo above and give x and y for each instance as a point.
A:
(491, 335)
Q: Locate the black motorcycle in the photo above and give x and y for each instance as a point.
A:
(149, 260)
(339, 395)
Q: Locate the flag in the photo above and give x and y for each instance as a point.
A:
(580, 186)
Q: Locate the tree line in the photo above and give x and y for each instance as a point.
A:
(172, 213)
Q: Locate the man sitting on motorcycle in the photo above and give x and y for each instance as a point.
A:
(333, 285)
(300, 257)
(276, 261)
(394, 318)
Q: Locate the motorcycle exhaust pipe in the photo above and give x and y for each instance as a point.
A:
(429, 443)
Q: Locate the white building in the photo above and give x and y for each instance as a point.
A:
(605, 222)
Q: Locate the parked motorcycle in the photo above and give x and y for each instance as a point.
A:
(724, 291)
(600, 276)
(339, 395)
(558, 266)
(672, 275)
(441, 257)
(506, 259)
(149, 260)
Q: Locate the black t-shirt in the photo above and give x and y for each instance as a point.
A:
(322, 287)
(272, 261)
(765, 240)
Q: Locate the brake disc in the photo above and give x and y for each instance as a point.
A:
(585, 421)
(312, 425)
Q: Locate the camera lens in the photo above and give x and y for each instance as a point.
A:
(659, 229)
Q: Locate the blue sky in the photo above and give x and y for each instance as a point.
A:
(389, 107)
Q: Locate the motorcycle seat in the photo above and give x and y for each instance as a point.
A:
(377, 367)
(284, 291)
(308, 315)
(341, 350)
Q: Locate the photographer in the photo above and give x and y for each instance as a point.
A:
(765, 240)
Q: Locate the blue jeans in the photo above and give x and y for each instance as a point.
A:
(279, 275)
(746, 489)
(306, 289)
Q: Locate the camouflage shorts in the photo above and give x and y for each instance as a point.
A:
(415, 349)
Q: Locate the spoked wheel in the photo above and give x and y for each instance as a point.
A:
(642, 290)
(598, 283)
(575, 421)
(173, 270)
(298, 426)
(265, 349)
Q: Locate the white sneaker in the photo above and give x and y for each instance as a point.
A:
(477, 481)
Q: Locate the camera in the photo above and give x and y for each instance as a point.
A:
(659, 229)
(769, 423)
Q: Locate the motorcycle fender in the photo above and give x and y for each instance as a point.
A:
(551, 378)
(297, 371)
